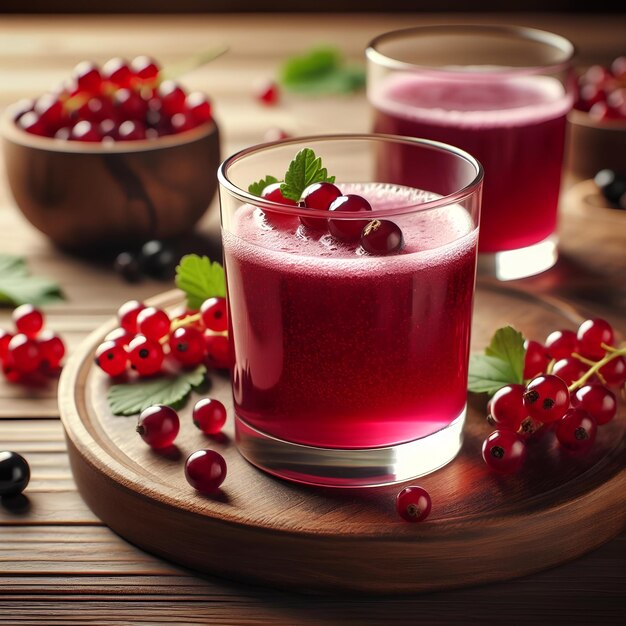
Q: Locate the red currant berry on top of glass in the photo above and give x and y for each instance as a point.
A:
(121, 101)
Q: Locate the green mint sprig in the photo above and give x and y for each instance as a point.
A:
(501, 364)
(256, 189)
(200, 279)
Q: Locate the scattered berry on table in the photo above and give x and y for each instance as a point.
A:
(158, 426)
(267, 93)
(28, 320)
(14, 473)
(205, 471)
(413, 504)
(612, 186)
(51, 349)
(128, 266)
(209, 415)
(24, 354)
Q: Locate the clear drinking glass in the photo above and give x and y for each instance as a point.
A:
(350, 368)
(502, 94)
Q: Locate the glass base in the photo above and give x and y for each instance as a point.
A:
(520, 263)
(359, 467)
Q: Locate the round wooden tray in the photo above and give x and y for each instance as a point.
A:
(483, 527)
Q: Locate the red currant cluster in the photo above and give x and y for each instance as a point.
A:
(31, 349)
(375, 236)
(158, 426)
(119, 102)
(570, 375)
(147, 338)
(602, 91)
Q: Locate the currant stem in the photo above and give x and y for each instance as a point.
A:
(595, 368)
(187, 65)
(185, 321)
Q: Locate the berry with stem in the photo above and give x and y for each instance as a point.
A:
(592, 335)
(158, 426)
(546, 398)
(413, 504)
(560, 344)
(598, 401)
(153, 323)
(569, 369)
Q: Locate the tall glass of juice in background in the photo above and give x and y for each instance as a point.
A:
(500, 93)
(350, 367)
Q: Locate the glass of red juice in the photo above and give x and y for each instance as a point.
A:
(350, 367)
(500, 93)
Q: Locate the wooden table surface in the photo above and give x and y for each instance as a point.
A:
(58, 563)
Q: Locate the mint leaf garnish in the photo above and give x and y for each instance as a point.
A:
(321, 71)
(17, 286)
(256, 189)
(200, 278)
(502, 364)
(305, 169)
(132, 398)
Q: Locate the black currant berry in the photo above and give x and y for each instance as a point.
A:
(158, 260)
(14, 473)
(612, 186)
(127, 265)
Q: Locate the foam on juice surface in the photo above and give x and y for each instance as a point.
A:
(477, 103)
(431, 236)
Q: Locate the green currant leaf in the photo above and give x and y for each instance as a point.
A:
(17, 286)
(200, 278)
(502, 364)
(172, 390)
(305, 169)
(257, 188)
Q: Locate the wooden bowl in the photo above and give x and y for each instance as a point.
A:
(594, 146)
(115, 195)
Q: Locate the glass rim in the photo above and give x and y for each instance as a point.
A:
(522, 32)
(248, 198)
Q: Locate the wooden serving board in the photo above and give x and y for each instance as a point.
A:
(483, 527)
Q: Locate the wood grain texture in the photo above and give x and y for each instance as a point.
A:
(37, 53)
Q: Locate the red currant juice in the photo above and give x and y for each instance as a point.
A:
(338, 349)
(515, 128)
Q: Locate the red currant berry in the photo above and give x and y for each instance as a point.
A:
(576, 430)
(51, 348)
(413, 504)
(23, 353)
(598, 401)
(182, 122)
(111, 358)
(5, 338)
(187, 346)
(145, 355)
(172, 98)
(127, 314)
(561, 343)
(209, 415)
(507, 406)
(154, 323)
(568, 369)
(205, 470)
(267, 93)
(145, 68)
(199, 106)
(130, 105)
(27, 319)
(273, 194)
(85, 131)
(591, 335)
(214, 314)
(87, 77)
(546, 398)
(31, 123)
(50, 111)
(346, 229)
(614, 372)
(158, 425)
(120, 336)
(218, 353)
(504, 451)
(318, 196)
(275, 134)
(536, 359)
(96, 110)
(116, 71)
(382, 237)
(131, 130)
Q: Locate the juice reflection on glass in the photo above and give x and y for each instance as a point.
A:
(502, 95)
(351, 369)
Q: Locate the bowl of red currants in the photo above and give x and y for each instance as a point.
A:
(597, 123)
(114, 157)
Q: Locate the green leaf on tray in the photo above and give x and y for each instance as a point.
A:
(17, 286)
(200, 278)
(256, 189)
(172, 390)
(502, 363)
(305, 169)
(321, 71)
